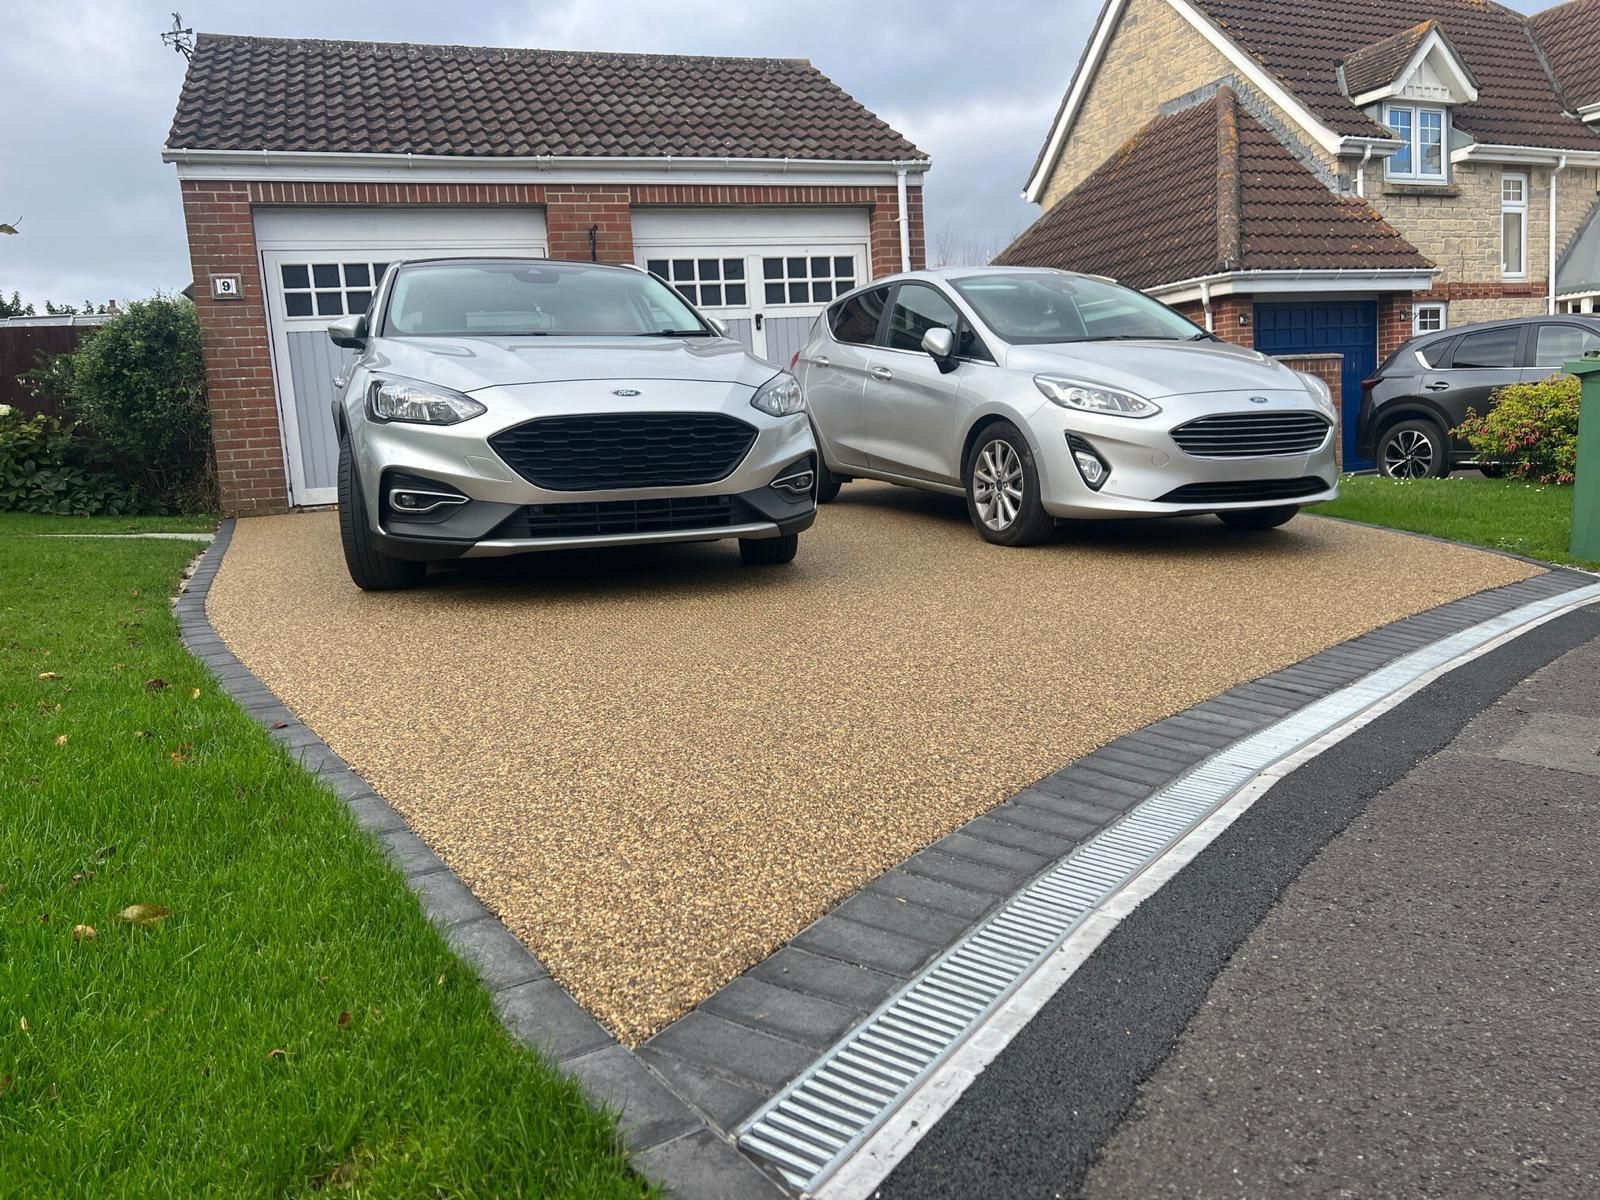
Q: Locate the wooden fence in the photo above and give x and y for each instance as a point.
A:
(21, 347)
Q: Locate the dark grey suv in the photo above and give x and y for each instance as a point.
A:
(1425, 388)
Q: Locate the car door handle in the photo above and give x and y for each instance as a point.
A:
(822, 361)
(882, 373)
(1441, 386)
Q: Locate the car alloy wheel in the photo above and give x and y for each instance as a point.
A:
(1408, 454)
(997, 485)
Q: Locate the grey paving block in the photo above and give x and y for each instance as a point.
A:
(849, 984)
(1268, 707)
(1144, 773)
(1084, 787)
(409, 852)
(946, 898)
(648, 1113)
(446, 900)
(1021, 864)
(851, 942)
(499, 956)
(1047, 820)
(897, 916)
(798, 1016)
(760, 1061)
(701, 1166)
(993, 828)
(317, 758)
(724, 1102)
(1096, 815)
(373, 815)
(1180, 741)
(541, 1014)
(295, 734)
(1153, 756)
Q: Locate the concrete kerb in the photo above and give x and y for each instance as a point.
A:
(688, 1085)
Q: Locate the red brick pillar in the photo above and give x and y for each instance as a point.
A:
(571, 210)
(1330, 369)
(886, 230)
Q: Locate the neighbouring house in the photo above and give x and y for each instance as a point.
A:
(1312, 177)
(757, 187)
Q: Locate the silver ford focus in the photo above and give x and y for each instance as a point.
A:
(1043, 395)
(498, 406)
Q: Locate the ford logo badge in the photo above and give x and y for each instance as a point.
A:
(1253, 399)
(624, 392)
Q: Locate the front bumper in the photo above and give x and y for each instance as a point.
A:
(1151, 476)
(505, 514)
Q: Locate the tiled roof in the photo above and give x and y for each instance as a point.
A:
(1579, 270)
(1376, 66)
(1569, 35)
(1205, 190)
(249, 93)
(1301, 43)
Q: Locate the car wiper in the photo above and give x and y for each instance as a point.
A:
(677, 333)
(1125, 337)
(1204, 335)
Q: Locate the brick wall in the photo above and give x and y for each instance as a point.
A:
(245, 426)
(1226, 312)
(1330, 369)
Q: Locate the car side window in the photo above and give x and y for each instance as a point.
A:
(1487, 350)
(1438, 352)
(856, 320)
(919, 308)
(1558, 345)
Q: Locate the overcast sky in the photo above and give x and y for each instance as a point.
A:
(89, 92)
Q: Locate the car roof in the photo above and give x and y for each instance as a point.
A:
(1505, 323)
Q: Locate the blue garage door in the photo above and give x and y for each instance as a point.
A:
(1347, 327)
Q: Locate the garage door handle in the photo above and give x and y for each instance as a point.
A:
(882, 373)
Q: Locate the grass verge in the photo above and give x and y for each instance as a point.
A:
(1502, 514)
(284, 1021)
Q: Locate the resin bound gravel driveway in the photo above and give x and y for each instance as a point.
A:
(658, 765)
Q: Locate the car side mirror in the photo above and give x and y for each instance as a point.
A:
(351, 332)
(720, 326)
(940, 343)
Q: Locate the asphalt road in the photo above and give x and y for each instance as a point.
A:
(1385, 977)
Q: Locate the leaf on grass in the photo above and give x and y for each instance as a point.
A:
(344, 1019)
(104, 853)
(80, 876)
(322, 981)
(136, 593)
(141, 733)
(146, 915)
(156, 685)
(195, 694)
(22, 1022)
(276, 1055)
(48, 675)
(83, 933)
(62, 740)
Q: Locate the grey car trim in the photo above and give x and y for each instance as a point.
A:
(499, 547)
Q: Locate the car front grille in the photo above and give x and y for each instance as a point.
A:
(601, 451)
(611, 517)
(1242, 491)
(1252, 435)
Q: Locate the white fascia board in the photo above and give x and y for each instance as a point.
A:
(309, 166)
(1531, 155)
(1268, 86)
(1258, 283)
(1087, 69)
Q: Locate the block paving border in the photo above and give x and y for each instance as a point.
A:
(683, 1089)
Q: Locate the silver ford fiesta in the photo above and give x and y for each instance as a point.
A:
(1042, 394)
(497, 406)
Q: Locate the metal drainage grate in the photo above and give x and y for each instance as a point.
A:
(814, 1124)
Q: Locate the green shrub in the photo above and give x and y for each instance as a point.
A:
(137, 388)
(1532, 431)
(44, 468)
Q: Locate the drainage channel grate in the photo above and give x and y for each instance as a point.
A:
(816, 1123)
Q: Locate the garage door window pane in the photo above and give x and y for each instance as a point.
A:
(733, 268)
(710, 269)
(296, 275)
(711, 293)
(357, 275)
(774, 293)
(735, 295)
(683, 268)
(658, 266)
(330, 304)
(297, 304)
(799, 293)
(325, 275)
(843, 266)
(358, 302)
(822, 291)
(772, 268)
(810, 280)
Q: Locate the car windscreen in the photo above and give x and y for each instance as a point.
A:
(1041, 309)
(490, 299)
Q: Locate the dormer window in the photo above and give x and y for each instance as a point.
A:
(1421, 132)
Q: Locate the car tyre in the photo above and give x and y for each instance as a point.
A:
(1258, 518)
(1002, 485)
(769, 552)
(1413, 450)
(370, 568)
(828, 484)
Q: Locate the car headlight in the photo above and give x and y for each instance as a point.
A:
(419, 403)
(1320, 392)
(779, 396)
(1093, 398)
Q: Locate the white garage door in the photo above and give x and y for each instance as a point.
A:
(322, 264)
(767, 272)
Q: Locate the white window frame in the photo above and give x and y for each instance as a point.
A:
(1416, 318)
(1514, 206)
(1413, 142)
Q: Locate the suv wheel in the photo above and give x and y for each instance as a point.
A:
(769, 552)
(1258, 518)
(1412, 450)
(1003, 489)
(370, 568)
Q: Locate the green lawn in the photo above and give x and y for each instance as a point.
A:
(19, 524)
(293, 1025)
(1504, 514)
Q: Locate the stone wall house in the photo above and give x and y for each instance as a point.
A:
(1455, 146)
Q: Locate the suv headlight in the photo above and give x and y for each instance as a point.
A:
(779, 396)
(1320, 392)
(1093, 398)
(419, 403)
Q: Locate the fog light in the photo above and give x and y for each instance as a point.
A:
(797, 484)
(413, 502)
(1091, 466)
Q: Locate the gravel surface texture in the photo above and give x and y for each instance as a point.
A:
(1418, 1016)
(659, 765)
